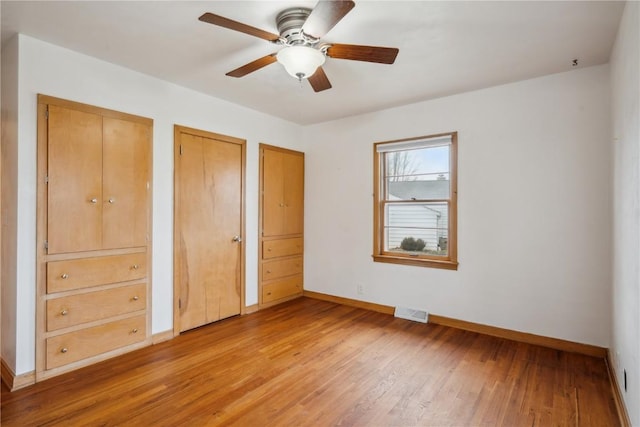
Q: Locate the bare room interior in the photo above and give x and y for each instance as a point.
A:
(320, 213)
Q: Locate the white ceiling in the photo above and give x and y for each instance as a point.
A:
(446, 47)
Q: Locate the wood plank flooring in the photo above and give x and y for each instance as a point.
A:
(316, 363)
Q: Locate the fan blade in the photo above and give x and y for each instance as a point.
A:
(325, 16)
(221, 21)
(319, 80)
(253, 66)
(381, 55)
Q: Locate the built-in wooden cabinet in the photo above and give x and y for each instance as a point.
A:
(283, 188)
(281, 224)
(97, 176)
(94, 224)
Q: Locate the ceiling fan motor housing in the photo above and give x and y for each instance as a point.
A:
(290, 22)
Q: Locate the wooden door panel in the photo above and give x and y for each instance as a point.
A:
(293, 217)
(272, 191)
(210, 212)
(126, 150)
(74, 150)
(223, 162)
(195, 271)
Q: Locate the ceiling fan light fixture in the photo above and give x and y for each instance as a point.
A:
(300, 61)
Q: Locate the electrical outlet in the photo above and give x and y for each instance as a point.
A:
(360, 288)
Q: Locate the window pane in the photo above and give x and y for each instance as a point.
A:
(416, 228)
(419, 164)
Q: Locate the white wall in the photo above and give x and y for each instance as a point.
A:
(10, 65)
(625, 91)
(534, 207)
(51, 70)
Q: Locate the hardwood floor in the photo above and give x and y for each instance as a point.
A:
(315, 363)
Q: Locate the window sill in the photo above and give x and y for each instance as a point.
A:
(417, 262)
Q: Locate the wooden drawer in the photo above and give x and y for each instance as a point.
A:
(74, 310)
(87, 272)
(282, 247)
(74, 346)
(281, 268)
(281, 288)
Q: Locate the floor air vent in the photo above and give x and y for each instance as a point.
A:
(411, 314)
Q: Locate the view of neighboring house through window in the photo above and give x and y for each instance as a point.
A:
(415, 192)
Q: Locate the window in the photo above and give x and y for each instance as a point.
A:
(415, 201)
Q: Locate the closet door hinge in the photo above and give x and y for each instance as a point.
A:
(46, 244)
(46, 113)
(46, 179)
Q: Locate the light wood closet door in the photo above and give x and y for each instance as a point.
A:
(125, 184)
(209, 185)
(293, 194)
(273, 193)
(74, 221)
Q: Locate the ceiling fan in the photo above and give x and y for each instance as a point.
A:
(300, 31)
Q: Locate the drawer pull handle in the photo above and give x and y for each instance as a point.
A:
(134, 331)
(64, 275)
(269, 250)
(94, 200)
(268, 293)
(268, 271)
(64, 312)
(135, 266)
(64, 350)
(281, 205)
(112, 201)
(135, 298)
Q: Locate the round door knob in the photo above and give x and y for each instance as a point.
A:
(134, 331)
(64, 350)
(135, 298)
(64, 275)
(94, 200)
(64, 312)
(111, 201)
(135, 266)
(237, 239)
